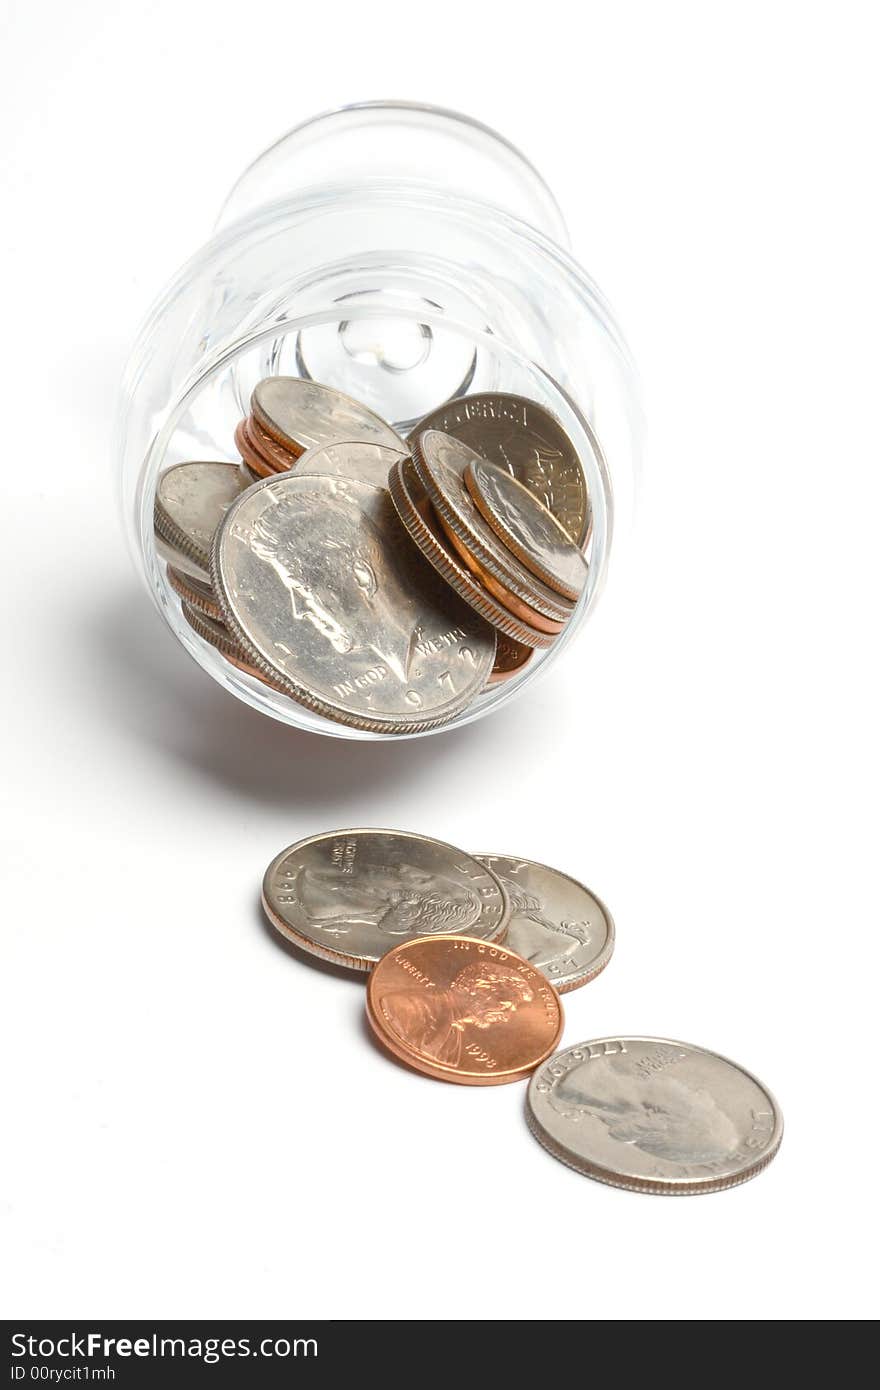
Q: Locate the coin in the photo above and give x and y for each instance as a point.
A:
(510, 658)
(463, 1010)
(322, 587)
(557, 924)
(350, 458)
(527, 528)
(252, 460)
(191, 501)
(415, 511)
(440, 462)
(300, 414)
(179, 561)
(506, 597)
(351, 895)
(276, 455)
(197, 595)
(530, 443)
(654, 1115)
(217, 635)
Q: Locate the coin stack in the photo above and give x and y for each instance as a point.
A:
(466, 958)
(381, 582)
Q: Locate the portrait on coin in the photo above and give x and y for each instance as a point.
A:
(434, 1022)
(400, 900)
(534, 934)
(660, 1116)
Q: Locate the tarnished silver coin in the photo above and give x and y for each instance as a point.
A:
(191, 501)
(441, 461)
(556, 924)
(322, 586)
(351, 895)
(527, 528)
(301, 414)
(654, 1115)
(530, 443)
(351, 458)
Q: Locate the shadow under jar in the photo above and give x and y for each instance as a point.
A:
(405, 256)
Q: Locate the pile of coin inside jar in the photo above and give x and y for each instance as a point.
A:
(466, 958)
(381, 582)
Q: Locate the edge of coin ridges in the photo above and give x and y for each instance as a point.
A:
(179, 540)
(557, 612)
(326, 953)
(643, 1185)
(604, 957)
(509, 625)
(513, 543)
(290, 687)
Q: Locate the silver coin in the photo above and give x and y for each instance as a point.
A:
(527, 528)
(441, 462)
(556, 924)
(180, 561)
(352, 895)
(654, 1115)
(322, 586)
(301, 414)
(191, 501)
(351, 458)
(530, 443)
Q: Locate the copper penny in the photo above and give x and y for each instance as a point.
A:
(510, 658)
(512, 602)
(254, 461)
(460, 1009)
(274, 453)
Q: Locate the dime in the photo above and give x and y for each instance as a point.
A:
(322, 587)
(463, 1010)
(415, 511)
(197, 595)
(527, 528)
(352, 895)
(351, 458)
(654, 1115)
(526, 440)
(440, 462)
(191, 501)
(300, 414)
(510, 658)
(557, 924)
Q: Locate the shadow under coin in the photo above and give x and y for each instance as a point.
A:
(148, 686)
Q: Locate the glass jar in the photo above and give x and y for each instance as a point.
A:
(405, 255)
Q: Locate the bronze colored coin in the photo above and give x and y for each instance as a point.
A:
(511, 601)
(254, 461)
(275, 454)
(530, 444)
(249, 474)
(510, 658)
(415, 511)
(460, 1009)
(198, 596)
(527, 528)
(441, 462)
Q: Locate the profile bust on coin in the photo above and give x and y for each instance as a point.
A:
(400, 901)
(434, 1023)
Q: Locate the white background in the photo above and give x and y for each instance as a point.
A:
(198, 1123)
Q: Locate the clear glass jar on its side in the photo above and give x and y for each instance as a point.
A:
(405, 255)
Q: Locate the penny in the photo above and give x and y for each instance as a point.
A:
(440, 462)
(197, 595)
(300, 414)
(511, 601)
(351, 458)
(217, 635)
(527, 528)
(530, 444)
(273, 453)
(654, 1115)
(556, 923)
(321, 586)
(191, 501)
(352, 895)
(415, 511)
(463, 1010)
(253, 460)
(510, 658)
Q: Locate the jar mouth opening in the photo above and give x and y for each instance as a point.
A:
(201, 423)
